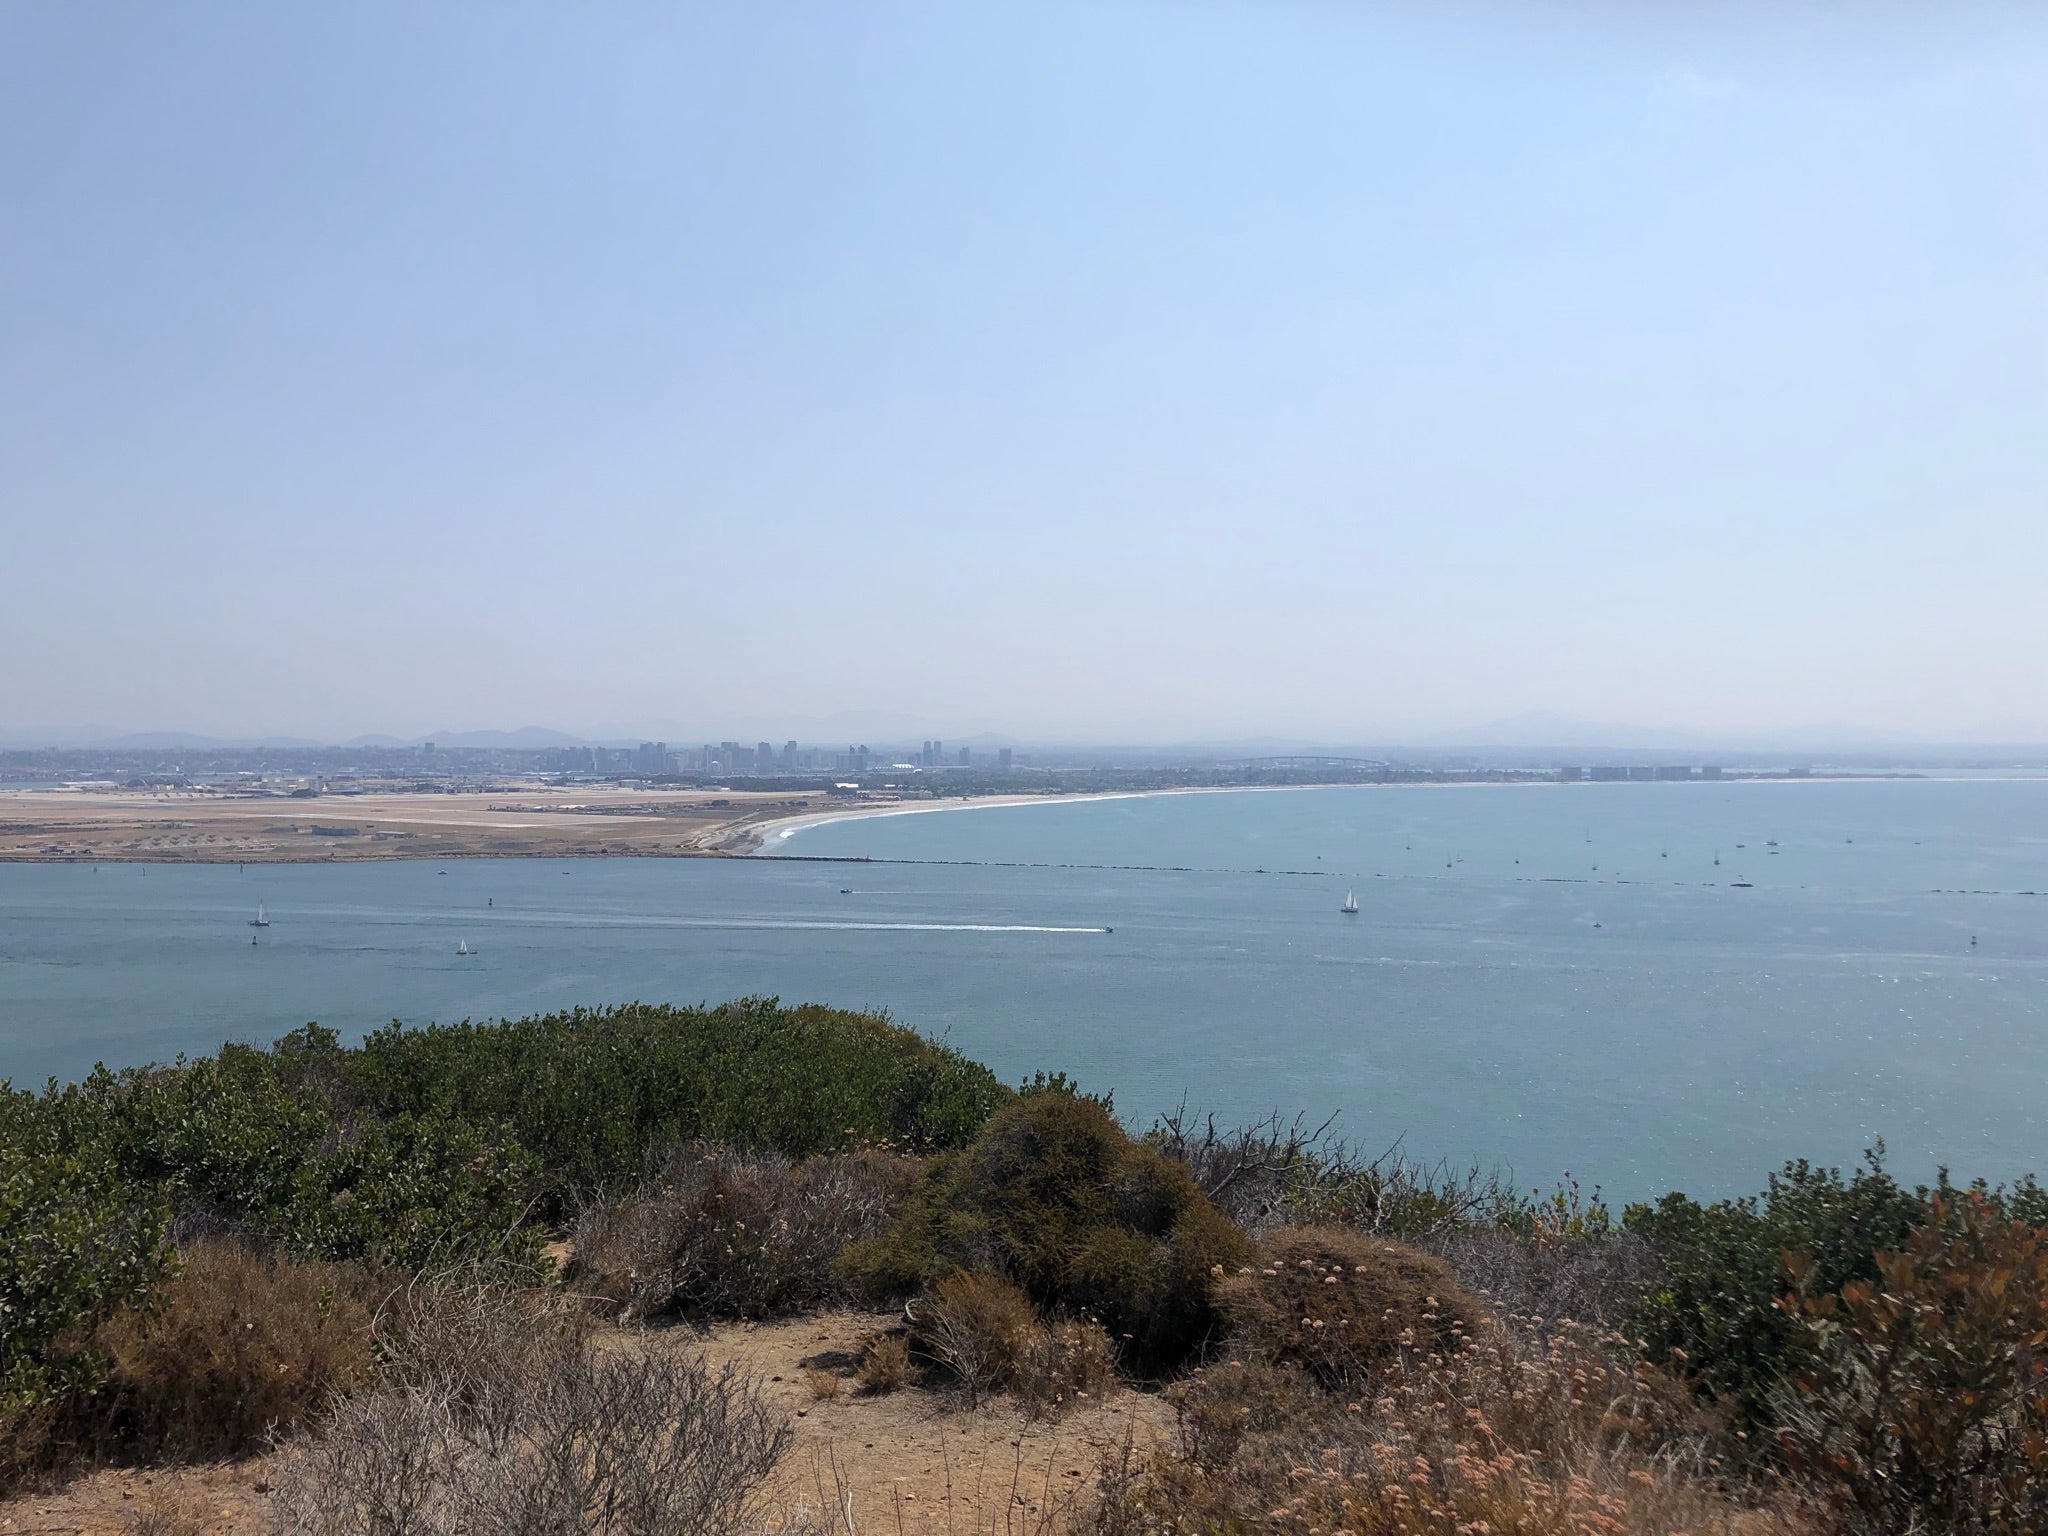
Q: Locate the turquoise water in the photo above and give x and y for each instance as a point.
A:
(1643, 1025)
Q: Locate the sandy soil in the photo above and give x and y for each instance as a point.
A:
(538, 820)
(77, 825)
(915, 1461)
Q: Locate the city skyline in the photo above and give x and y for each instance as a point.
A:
(1537, 730)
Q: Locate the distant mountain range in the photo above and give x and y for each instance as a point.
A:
(528, 738)
(1543, 729)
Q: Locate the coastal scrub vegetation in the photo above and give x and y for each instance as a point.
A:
(1056, 1196)
(354, 1248)
(1335, 1304)
(721, 1233)
(418, 1149)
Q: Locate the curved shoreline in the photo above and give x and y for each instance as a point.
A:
(781, 829)
(758, 839)
(544, 821)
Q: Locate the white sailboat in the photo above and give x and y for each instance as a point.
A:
(1350, 907)
(259, 920)
(462, 947)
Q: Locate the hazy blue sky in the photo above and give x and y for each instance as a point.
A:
(1107, 369)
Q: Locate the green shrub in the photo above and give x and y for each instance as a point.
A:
(419, 1149)
(236, 1344)
(1713, 1315)
(225, 1134)
(76, 1241)
(596, 1095)
(1336, 1304)
(417, 1192)
(433, 1145)
(1056, 1196)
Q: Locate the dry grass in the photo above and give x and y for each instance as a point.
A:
(474, 1340)
(237, 1345)
(1218, 1409)
(497, 1420)
(1281, 1172)
(1589, 1279)
(1554, 1437)
(983, 1331)
(166, 1513)
(975, 1327)
(822, 1384)
(722, 1235)
(1335, 1304)
(885, 1365)
(1062, 1364)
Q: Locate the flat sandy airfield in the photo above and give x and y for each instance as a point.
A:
(87, 825)
(183, 826)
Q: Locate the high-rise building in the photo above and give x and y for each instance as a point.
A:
(1003, 760)
(966, 758)
(789, 757)
(764, 758)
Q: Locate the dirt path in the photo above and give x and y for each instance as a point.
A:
(914, 1461)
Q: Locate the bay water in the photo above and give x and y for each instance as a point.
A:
(1555, 979)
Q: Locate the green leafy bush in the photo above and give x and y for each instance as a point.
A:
(76, 1241)
(431, 1145)
(1055, 1195)
(599, 1096)
(414, 1192)
(1713, 1313)
(226, 1134)
(420, 1148)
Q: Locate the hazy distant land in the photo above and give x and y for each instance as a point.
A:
(183, 826)
(529, 819)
